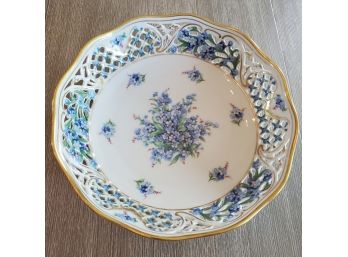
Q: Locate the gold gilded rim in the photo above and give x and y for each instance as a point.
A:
(249, 216)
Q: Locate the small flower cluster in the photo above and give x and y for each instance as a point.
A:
(145, 187)
(117, 40)
(108, 130)
(203, 45)
(236, 115)
(76, 128)
(279, 103)
(136, 79)
(172, 134)
(126, 217)
(218, 174)
(258, 181)
(194, 75)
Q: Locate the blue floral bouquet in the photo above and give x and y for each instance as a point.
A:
(171, 132)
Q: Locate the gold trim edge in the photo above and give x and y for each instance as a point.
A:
(248, 217)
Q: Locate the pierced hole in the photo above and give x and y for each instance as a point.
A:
(79, 83)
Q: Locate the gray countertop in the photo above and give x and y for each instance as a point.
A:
(72, 229)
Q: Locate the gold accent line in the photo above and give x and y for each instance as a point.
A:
(266, 201)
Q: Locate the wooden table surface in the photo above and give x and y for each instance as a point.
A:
(72, 229)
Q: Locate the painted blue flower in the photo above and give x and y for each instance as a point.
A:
(256, 164)
(141, 52)
(117, 195)
(194, 75)
(202, 37)
(145, 187)
(172, 134)
(151, 220)
(234, 72)
(81, 126)
(155, 213)
(81, 102)
(234, 209)
(267, 175)
(71, 134)
(71, 112)
(218, 174)
(136, 79)
(168, 215)
(106, 187)
(108, 130)
(197, 211)
(141, 208)
(91, 94)
(253, 193)
(207, 52)
(118, 40)
(151, 49)
(173, 49)
(214, 210)
(235, 195)
(203, 45)
(67, 101)
(82, 147)
(183, 33)
(126, 217)
(253, 183)
(75, 154)
(279, 103)
(93, 164)
(236, 115)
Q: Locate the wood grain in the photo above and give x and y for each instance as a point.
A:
(72, 229)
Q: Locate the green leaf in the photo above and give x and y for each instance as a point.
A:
(244, 185)
(195, 147)
(65, 143)
(192, 153)
(247, 201)
(157, 125)
(156, 133)
(266, 187)
(181, 125)
(68, 123)
(206, 216)
(159, 144)
(175, 159)
(182, 41)
(257, 175)
(195, 49)
(210, 38)
(139, 181)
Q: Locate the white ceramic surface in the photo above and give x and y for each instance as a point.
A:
(174, 127)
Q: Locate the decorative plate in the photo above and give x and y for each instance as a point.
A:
(174, 127)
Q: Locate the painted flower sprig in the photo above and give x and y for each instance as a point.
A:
(171, 133)
(236, 115)
(145, 187)
(194, 75)
(279, 103)
(136, 79)
(208, 47)
(259, 180)
(76, 129)
(108, 130)
(218, 174)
